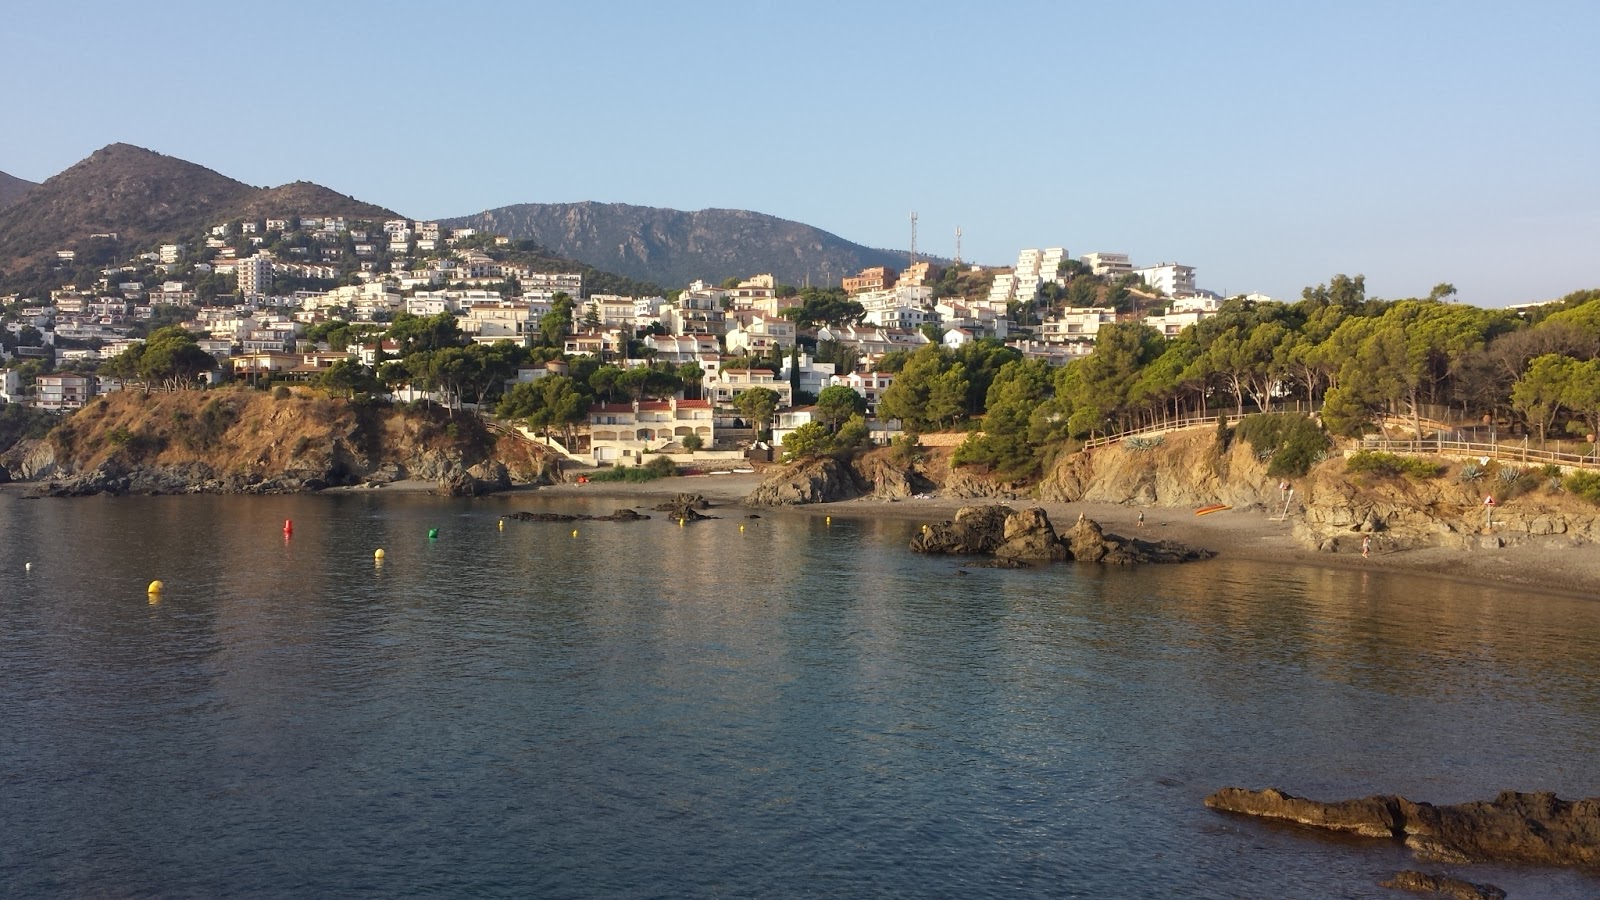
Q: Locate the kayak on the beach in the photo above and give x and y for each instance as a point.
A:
(1209, 509)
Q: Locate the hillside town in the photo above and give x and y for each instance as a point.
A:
(285, 299)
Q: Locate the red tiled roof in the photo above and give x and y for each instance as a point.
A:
(694, 404)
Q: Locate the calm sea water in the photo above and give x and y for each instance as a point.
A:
(794, 709)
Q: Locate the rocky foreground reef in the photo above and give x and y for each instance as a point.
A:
(1028, 535)
(1535, 829)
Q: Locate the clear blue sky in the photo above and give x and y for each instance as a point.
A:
(1268, 144)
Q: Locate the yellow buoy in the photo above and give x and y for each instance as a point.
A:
(574, 532)
(502, 524)
(155, 587)
(827, 520)
(741, 527)
(680, 523)
(378, 554)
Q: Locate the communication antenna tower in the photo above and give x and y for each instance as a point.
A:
(958, 245)
(913, 237)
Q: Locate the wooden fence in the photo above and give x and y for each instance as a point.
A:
(1581, 456)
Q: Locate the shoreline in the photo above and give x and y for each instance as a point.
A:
(1549, 565)
(1553, 565)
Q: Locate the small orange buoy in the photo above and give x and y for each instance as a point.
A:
(288, 527)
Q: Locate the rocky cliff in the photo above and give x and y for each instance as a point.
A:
(241, 441)
(1333, 510)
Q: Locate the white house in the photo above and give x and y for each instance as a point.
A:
(1168, 278)
(621, 434)
(1076, 324)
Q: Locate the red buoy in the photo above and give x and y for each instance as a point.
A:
(288, 527)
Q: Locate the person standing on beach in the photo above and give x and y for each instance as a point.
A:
(1366, 545)
(1141, 519)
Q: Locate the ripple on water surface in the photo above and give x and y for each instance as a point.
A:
(795, 709)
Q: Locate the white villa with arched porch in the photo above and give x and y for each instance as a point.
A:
(621, 433)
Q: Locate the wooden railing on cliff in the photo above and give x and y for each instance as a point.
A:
(1587, 457)
(1523, 453)
(1162, 427)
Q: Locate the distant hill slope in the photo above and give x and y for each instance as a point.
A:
(143, 197)
(673, 247)
(12, 188)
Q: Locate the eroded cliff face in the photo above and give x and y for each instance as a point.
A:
(239, 441)
(1332, 510)
(1186, 469)
(1340, 509)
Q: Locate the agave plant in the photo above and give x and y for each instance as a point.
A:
(1142, 444)
(1471, 472)
(1510, 474)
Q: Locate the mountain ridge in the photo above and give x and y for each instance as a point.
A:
(143, 196)
(13, 189)
(675, 247)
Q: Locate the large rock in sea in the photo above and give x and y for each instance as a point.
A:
(1027, 534)
(1539, 829)
(821, 480)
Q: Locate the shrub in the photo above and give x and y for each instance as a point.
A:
(1585, 485)
(1289, 443)
(1390, 465)
(1224, 433)
(660, 467)
(692, 442)
(215, 419)
(282, 392)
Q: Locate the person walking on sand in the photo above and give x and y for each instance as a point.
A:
(1141, 519)
(1366, 545)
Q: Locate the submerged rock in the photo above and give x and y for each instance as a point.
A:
(1538, 828)
(545, 517)
(1027, 534)
(1442, 885)
(620, 515)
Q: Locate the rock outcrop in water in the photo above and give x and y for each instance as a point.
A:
(1538, 829)
(1027, 534)
(685, 507)
(1442, 886)
(620, 515)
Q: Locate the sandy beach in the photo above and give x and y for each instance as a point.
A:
(1555, 564)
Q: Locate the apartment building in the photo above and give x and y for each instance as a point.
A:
(1110, 265)
(876, 278)
(1170, 279)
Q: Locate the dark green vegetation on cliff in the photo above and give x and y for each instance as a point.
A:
(1427, 363)
(674, 247)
